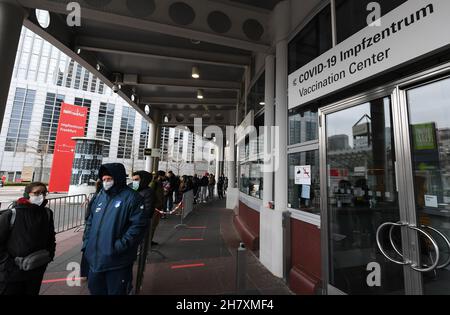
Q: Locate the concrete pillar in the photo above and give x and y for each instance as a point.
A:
(156, 132)
(272, 240)
(150, 144)
(11, 21)
(269, 120)
(266, 213)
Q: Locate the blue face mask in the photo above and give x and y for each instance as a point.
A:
(135, 184)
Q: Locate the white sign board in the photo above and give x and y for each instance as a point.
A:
(303, 175)
(412, 30)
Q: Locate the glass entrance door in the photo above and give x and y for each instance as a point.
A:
(361, 196)
(385, 187)
(428, 108)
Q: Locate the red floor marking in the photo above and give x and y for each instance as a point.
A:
(60, 280)
(187, 266)
(190, 239)
(196, 227)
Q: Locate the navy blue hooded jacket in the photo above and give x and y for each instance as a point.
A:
(116, 224)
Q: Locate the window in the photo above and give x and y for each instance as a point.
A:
(84, 103)
(304, 196)
(19, 124)
(251, 161)
(94, 84)
(303, 126)
(69, 74)
(143, 139)
(50, 122)
(105, 125)
(351, 15)
(256, 97)
(312, 41)
(86, 80)
(126, 133)
(77, 77)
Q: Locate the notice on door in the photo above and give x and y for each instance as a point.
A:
(431, 201)
(303, 175)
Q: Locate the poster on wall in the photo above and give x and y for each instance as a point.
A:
(303, 175)
(71, 124)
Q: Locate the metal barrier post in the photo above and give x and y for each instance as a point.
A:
(286, 245)
(241, 269)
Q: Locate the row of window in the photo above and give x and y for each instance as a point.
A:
(37, 60)
(21, 115)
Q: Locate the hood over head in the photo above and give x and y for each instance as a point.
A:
(117, 172)
(146, 179)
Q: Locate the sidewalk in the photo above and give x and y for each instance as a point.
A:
(198, 259)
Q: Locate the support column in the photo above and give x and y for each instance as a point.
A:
(274, 218)
(266, 213)
(11, 21)
(157, 137)
(150, 144)
(269, 120)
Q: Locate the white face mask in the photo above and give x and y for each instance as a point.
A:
(108, 185)
(37, 200)
(136, 184)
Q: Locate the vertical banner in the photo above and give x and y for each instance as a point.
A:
(72, 121)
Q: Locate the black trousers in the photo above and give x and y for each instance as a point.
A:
(31, 286)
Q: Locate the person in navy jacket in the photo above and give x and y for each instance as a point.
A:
(114, 230)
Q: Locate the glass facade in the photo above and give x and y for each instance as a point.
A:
(312, 41)
(351, 15)
(50, 121)
(105, 125)
(19, 124)
(143, 139)
(126, 133)
(250, 155)
(303, 126)
(255, 99)
(84, 103)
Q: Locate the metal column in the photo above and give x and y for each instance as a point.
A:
(11, 21)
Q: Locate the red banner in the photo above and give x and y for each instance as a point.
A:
(72, 121)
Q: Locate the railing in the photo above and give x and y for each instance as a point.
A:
(68, 212)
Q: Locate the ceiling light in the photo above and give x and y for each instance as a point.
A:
(262, 103)
(200, 94)
(79, 51)
(195, 72)
(98, 67)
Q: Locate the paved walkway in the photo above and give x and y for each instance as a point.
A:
(197, 259)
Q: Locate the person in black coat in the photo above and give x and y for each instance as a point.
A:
(25, 229)
(141, 182)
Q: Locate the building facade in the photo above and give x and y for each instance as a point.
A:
(44, 78)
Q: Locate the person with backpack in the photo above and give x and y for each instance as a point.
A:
(27, 242)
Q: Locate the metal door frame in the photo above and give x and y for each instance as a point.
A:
(403, 169)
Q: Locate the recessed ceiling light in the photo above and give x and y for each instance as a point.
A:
(195, 72)
(200, 94)
(262, 103)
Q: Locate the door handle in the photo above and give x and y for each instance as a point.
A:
(380, 247)
(446, 240)
(407, 262)
(436, 249)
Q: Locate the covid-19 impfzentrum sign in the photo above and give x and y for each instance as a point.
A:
(412, 30)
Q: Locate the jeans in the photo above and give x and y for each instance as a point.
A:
(114, 282)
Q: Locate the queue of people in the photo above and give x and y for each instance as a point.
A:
(118, 217)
